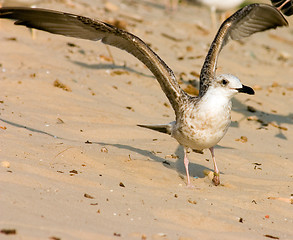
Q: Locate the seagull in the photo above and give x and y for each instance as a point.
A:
(285, 6)
(219, 5)
(200, 122)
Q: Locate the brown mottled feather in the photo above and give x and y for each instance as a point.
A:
(86, 28)
(245, 22)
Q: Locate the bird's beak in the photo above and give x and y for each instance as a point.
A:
(246, 89)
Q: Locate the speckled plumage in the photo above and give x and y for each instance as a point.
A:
(201, 121)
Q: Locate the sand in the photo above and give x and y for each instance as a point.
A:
(74, 165)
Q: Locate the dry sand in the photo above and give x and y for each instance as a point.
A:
(126, 182)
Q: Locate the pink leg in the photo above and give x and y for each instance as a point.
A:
(279, 8)
(216, 178)
(186, 162)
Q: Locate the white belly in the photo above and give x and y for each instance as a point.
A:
(203, 127)
(222, 5)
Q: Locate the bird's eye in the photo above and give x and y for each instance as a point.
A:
(224, 82)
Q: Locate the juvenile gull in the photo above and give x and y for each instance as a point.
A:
(201, 121)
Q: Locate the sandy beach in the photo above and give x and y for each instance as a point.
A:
(74, 165)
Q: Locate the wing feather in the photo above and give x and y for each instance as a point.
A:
(245, 22)
(86, 28)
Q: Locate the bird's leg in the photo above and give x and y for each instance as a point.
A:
(186, 162)
(110, 54)
(216, 178)
(213, 17)
(279, 8)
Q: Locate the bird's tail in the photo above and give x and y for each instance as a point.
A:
(163, 128)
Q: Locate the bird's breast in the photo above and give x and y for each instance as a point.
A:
(202, 127)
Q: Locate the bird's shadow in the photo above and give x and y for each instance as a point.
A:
(263, 119)
(153, 4)
(102, 66)
(196, 170)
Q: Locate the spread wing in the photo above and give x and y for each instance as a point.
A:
(86, 28)
(243, 23)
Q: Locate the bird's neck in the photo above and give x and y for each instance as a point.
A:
(215, 101)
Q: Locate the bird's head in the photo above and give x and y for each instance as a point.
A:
(229, 85)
